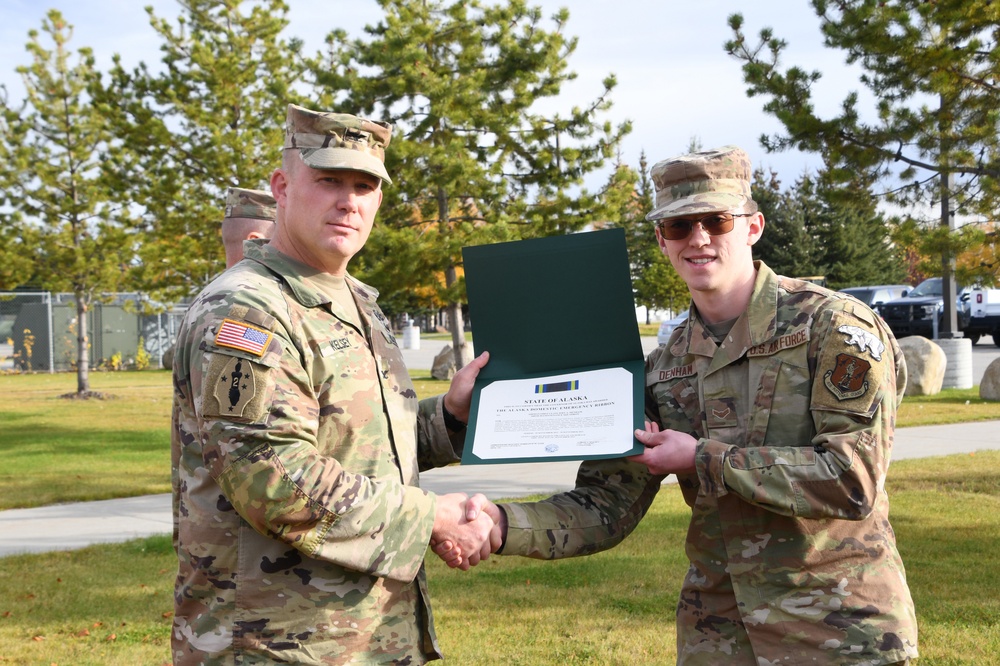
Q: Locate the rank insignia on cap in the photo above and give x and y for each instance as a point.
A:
(242, 336)
(847, 379)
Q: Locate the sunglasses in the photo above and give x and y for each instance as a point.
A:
(714, 224)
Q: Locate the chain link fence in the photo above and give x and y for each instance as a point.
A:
(38, 332)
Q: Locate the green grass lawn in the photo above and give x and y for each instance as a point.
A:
(59, 450)
(111, 605)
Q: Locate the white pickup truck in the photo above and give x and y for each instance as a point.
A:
(984, 315)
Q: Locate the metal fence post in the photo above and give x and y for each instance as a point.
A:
(52, 345)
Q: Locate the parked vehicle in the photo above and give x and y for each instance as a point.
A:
(984, 315)
(668, 326)
(874, 296)
(921, 311)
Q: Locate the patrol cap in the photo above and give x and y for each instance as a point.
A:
(702, 182)
(253, 204)
(338, 140)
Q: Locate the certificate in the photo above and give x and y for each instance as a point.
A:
(566, 373)
(582, 414)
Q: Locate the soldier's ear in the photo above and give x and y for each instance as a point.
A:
(756, 228)
(279, 183)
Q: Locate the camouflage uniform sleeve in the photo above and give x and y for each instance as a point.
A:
(267, 460)
(436, 445)
(609, 500)
(857, 374)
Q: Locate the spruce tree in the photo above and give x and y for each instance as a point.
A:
(473, 158)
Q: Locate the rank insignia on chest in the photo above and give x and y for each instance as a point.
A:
(848, 379)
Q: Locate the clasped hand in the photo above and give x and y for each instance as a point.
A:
(464, 530)
(478, 511)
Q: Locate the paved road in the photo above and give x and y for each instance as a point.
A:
(983, 353)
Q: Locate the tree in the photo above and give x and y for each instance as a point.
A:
(787, 246)
(820, 227)
(853, 239)
(54, 147)
(655, 283)
(932, 68)
(211, 119)
(472, 158)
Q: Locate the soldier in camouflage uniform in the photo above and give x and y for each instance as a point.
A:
(775, 406)
(297, 437)
(249, 214)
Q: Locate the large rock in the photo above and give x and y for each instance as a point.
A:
(989, 388)
(925, 365)
(444, 362)
(168, 358)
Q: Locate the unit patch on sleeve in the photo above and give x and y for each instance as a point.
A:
(235, 389)
(852, 367)
(848, 379)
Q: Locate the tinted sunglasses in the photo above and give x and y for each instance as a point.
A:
(714, 224)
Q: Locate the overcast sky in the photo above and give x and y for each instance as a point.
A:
(675, 81)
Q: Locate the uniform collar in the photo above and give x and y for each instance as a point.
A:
(297, 276)
(757, 324)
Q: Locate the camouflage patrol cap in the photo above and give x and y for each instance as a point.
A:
(703, 182)
(253, 204)
(338, 140)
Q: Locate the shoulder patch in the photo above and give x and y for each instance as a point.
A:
(235, 389)
(848, 379)
(242, 336)
(851, 368)
(864, 340)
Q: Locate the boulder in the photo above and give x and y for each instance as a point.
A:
(925, 365)
(989, 388)
(444, 364)
(168, 358)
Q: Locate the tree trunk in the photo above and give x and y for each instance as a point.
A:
(82, 353)
(456, 323)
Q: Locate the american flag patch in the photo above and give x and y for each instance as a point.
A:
(242, 336)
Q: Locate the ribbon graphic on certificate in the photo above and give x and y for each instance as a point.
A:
(565, 376)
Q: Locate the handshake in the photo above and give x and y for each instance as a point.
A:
(466, 530)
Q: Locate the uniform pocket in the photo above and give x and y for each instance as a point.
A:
(781, 415)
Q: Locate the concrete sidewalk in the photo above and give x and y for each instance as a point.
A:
(69, 526)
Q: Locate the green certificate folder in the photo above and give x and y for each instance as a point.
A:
(566, 373)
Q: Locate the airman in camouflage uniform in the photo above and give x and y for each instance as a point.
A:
(775, 406)
(297, 438)
(249, 214)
